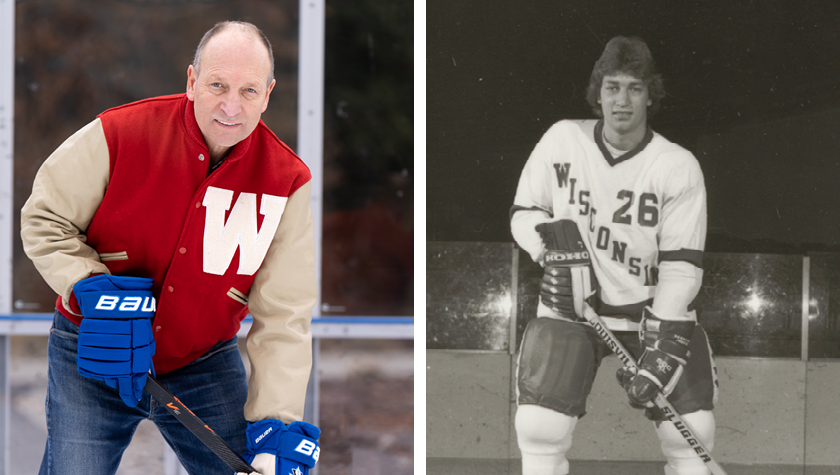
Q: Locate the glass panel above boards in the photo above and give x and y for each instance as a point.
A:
(749, 304)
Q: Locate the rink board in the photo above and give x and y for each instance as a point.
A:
(774, 412)
(452, 466)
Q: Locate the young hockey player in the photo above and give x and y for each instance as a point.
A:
(616, 214)
(161, 224)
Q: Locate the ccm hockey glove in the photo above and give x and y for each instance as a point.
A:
(277, 449)
(566, 280)
(115, 338)
(661, 365)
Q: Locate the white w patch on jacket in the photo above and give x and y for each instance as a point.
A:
(221, 239)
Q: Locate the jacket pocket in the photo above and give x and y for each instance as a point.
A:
(238, 296)
(113, 256)
(64, 334)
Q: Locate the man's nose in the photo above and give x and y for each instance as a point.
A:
(231, 104)
(623, 97)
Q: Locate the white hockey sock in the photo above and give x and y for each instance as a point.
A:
(682, 459)
(544, 437)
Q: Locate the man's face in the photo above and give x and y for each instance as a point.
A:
(230, 89)
(624, 102)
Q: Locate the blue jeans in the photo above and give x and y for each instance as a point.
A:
(89, 427)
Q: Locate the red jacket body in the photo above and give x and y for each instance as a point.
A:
(151, 221)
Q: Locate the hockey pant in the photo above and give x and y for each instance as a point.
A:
(556, 368)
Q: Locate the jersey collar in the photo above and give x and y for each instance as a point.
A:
(613, 161)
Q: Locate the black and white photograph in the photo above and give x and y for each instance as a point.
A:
(632, 238)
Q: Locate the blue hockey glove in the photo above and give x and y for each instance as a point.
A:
(116, 343)
(277, 449)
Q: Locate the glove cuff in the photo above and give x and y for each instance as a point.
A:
(667, 336)
(264, 435)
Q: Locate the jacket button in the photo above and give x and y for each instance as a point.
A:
(157, 328)
(201, 157)
(198, 204)
(183, 250)
(171, 289)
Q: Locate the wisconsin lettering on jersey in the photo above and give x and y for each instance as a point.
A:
(645, 213)
(221, 239)
(561, 170)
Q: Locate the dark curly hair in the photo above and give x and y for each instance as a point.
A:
(629, 56)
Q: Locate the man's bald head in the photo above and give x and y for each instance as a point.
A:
(239, 26)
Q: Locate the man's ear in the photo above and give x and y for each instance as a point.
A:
(267, 92)
(192, 76)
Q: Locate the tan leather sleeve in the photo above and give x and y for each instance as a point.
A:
(281, 300)
(67, 191)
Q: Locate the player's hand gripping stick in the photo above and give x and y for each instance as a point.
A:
(116, 343)
(566, 281)
(661, 365)
(659, 399)
(277, 449)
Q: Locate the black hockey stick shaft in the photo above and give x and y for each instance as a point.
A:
(197, 426)
(660, 400)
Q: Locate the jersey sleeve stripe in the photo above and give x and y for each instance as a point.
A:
(515, 208)
(692, 256)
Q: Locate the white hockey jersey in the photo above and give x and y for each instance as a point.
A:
(642, 216)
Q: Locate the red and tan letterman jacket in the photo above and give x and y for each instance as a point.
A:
(129, 194)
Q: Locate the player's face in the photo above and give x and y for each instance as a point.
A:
(230, 89)
(624, 102)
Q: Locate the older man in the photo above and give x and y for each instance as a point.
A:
(161, 224)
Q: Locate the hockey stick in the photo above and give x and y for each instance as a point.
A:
(197, 426)
(660, 400)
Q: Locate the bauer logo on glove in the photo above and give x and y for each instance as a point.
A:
(129, 304)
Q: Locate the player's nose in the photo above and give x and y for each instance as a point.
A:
(623, 98)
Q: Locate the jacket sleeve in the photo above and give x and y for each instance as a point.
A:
(281, 300)
(66, 193)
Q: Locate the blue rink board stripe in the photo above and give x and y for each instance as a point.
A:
(248, 319)
(27, 316)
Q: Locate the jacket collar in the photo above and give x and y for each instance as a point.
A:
(194, 132)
